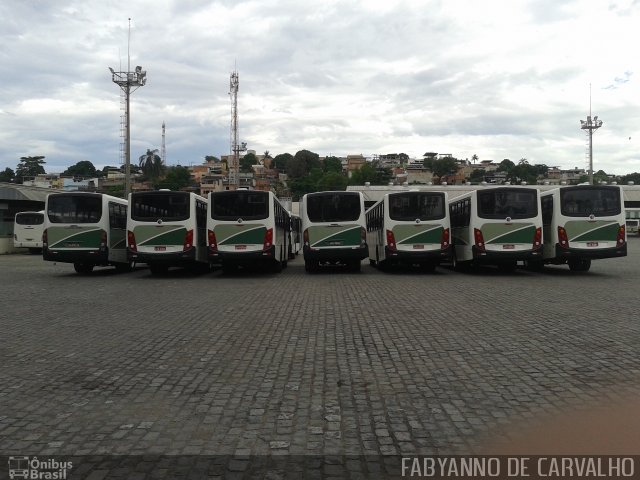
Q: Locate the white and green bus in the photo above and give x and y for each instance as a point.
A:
(86, 229)
(167, 229)
(409, 228)
(583, 223)
(247, 228)
(27, 231)
(497, 226)
(333, 229)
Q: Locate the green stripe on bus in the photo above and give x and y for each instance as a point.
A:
(502, 233)
(87, 237)
(149, 236)
(342, 236)
(418, 233)
(600, 230)
(240, 234)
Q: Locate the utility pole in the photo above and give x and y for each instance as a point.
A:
(129, 82)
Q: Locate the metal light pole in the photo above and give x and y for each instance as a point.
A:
(129, 82)
(590, 125)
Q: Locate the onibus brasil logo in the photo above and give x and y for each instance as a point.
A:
(36, 469)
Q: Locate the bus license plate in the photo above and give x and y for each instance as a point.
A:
(72, 244)
(508, 246)
(418, 247)
(241, 247)
(592, 244)
(160, 249)
(336, 243)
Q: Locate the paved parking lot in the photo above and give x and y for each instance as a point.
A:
(332, 365)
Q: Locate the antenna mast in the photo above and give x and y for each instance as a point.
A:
(236, 148)
(163, 149)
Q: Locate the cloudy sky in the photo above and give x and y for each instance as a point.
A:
(495, 78)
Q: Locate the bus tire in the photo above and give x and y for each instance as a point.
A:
(580, 264)
(125, 267)
(83, 268)
(354, 265)
(310, 266)
(277, 267)
(458, 266)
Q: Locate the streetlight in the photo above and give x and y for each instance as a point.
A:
(590, 125)
(129, 82)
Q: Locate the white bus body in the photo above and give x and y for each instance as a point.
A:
(27, 230)
(333, 229)
(409, 228)
(86, 229)
(499, 226)
(247, 228)
(582, 223)
(167, 229)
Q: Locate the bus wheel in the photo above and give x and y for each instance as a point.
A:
(372, 262)
(125, 267)
(158, 269)
(310, 266)
(580, 265)
(354, 265)
(277, 267)
(458, 266)
(83, 268)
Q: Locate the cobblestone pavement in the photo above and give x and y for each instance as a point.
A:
(330, 364)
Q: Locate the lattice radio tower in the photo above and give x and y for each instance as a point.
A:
(236, 148)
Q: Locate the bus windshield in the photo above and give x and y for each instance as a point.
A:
(507, 202)
(244, 204)
(29, 218)
(165, 206)
(333, 207)
(416, 205)
(597, 201)
(74, 209)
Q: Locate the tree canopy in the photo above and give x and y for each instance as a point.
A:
(281, 161)
(302, 163)
(332, 164)
(29, 167)
(83, 168)
(248, 161)
(7, 175)
(176, 178)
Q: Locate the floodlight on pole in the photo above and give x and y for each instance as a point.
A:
(590, 125)
(129, 82)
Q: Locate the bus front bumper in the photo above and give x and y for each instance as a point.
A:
(89, 257)
(335, 254)
(567, 253)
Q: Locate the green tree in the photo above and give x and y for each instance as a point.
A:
(176, 178)
(444, 166)
(306, 184)
(477, 175)
(29, 167)
(332, 181)
(332, 164)
(7, 175)
(506, 165)
(474, 158)
(281, 161)
(631, 177)
(303, 162)
(248, 161)
(151, 164)
(83, 168)
(369, 173)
